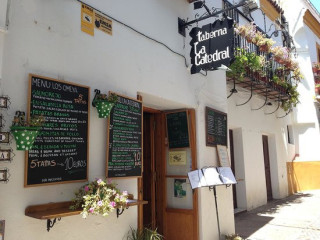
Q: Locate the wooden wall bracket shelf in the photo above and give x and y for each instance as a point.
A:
(58, 210)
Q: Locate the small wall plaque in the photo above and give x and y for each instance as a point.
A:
(4, 102)
(4, 175)
(1, 124)
(4, 137)
(5, 155)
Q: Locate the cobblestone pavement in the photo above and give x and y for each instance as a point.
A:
(296, 217)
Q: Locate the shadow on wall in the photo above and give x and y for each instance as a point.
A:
(249, 222)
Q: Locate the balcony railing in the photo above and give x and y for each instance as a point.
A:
(272, 81)
(261, 82)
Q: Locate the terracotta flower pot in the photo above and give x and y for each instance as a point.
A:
(264, 48)
(314, 69)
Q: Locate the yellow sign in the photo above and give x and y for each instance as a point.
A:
(103, 23)
(87, 19)
(177, 158)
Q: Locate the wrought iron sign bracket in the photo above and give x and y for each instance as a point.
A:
(51, 223)
(182, 24)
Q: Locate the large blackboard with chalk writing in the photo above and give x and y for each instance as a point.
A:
(124, 150)
(216, 127)
(60, 151)
(177, 129)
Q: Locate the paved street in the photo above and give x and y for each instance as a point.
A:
(295, 217)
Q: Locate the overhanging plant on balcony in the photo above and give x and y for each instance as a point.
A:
(252, 35)
(248, 31)
(104, 103)
(99, 197)
(25, 132)
(265, 44)
(238, 66)
(317, 89)
(246, 63)
(293, 100)
(316, 67)
(280, 54)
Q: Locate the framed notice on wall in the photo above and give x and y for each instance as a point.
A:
(124, 146)
(216, 128)
(60, 152)
(223, 156)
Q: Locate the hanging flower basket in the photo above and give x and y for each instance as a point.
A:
(104, 108)
(24, 136)
(25, 132)
(104, 103)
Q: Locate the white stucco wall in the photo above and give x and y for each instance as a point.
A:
(249, 158)
(44, 38)
(248, 127)
(306, 122)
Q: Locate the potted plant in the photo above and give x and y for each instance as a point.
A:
(248, 31)
(99, 197)
(25, 132)
(293, 99)
(280, 54)
(238, 66)
(265, 44)
(144, 234)
(233, 237)
(316, 68)
(104, 103)
(317, 89)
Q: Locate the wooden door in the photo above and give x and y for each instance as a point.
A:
(267, 166)
(234, 192)
(173, 221)
(148, 170)
(151, 185)
(181, 221)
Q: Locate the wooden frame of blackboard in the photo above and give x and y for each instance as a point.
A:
(208, 144)
(167, 134)
(28, 117)
(108, 128)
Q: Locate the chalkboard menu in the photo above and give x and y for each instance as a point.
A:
(177, 128)
(216, 127)
(60, 152)
(124, 150)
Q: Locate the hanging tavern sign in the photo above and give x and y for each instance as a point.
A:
(211, 45)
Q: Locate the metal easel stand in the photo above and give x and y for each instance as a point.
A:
(216, 204)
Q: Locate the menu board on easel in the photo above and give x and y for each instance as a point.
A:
(60, 152)
(124, 150)
(177, 129)
(216, 127)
